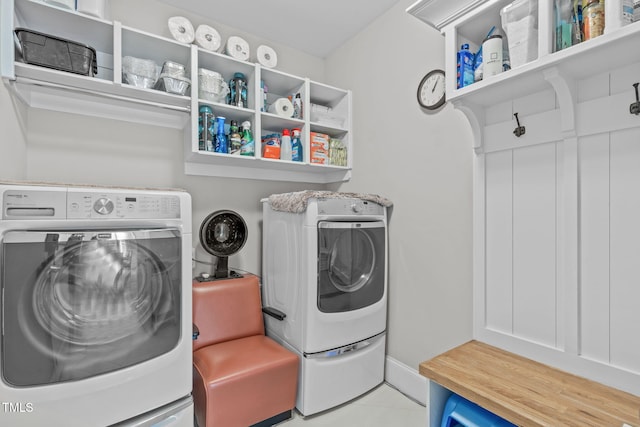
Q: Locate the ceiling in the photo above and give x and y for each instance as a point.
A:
(316, 27)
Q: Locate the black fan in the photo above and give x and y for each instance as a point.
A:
(223, 233)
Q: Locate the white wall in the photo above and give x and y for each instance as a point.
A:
(12, 143)
(423, 163)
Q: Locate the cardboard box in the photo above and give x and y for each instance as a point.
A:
(319, 148)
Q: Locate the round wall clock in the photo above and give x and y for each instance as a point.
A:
(431, 91)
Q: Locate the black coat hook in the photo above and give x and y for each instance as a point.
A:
(519, 131)
(634, 108)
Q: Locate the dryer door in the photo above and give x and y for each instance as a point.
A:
(351, 265)
(80, 304)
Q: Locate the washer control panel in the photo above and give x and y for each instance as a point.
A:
(349, 207)
(78, 204)
(103, 206)
(118, 205)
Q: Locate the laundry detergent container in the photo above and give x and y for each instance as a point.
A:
(459, 412)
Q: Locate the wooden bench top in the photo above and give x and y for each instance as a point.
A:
(528, 393)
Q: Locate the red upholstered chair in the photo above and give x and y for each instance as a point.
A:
(240, 376)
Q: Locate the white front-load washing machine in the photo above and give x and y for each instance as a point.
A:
(96, 307)
(325, 269)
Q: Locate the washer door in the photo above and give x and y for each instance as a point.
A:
(82, 304)
(351, 265)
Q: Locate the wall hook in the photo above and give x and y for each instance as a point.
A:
(519, 131)
(634, 108)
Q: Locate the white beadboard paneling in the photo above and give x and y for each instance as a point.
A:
(622, 80)
(607, 114)
(534, 243)
(540, 128)
(558, 265)
(625, 249)
(594, 247)
(535, 103)
(594, 87)
(499, 238)
(499, 113)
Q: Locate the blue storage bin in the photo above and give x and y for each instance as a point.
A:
(458, 411)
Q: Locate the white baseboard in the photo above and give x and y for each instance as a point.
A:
(406, 379)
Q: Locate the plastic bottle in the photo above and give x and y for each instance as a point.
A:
(627, 12)
(265, 106)
(296, 146)
(465, 75)
(297, 107)
(235, 139)
(222, 145)
(206, 122)
(263, 95)
(492, 51)
(238, 91)
(248, 147)
(285, 145)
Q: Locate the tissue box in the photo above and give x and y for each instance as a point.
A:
(337, 152)
(271, 146)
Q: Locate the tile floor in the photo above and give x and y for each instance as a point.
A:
(383, 406)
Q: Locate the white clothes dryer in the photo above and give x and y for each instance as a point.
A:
(96, 306)
(325, 269)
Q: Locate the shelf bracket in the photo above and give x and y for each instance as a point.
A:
(475, 117)
(566, 95)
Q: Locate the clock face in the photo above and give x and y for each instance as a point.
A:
(431, 94)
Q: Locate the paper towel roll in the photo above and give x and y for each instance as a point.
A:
(208, 38)
(181, 29)
(237, 47)
(282, 107)
(266, 56)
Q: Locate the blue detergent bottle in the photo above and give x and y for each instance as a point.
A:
(296, 146)
(222, 146)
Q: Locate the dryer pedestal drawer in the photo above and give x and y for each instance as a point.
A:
(326, 382)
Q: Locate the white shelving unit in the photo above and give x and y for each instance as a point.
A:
(105, 94)
(471, 21)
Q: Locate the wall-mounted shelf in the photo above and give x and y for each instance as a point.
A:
(609, 51)
(106, 95)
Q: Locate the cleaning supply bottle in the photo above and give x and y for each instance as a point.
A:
(297, 107)
(285, 145)
(238, 91)
(296, 146)
(248, 147)
(206, 122)
(235, 139)
(222, 145)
